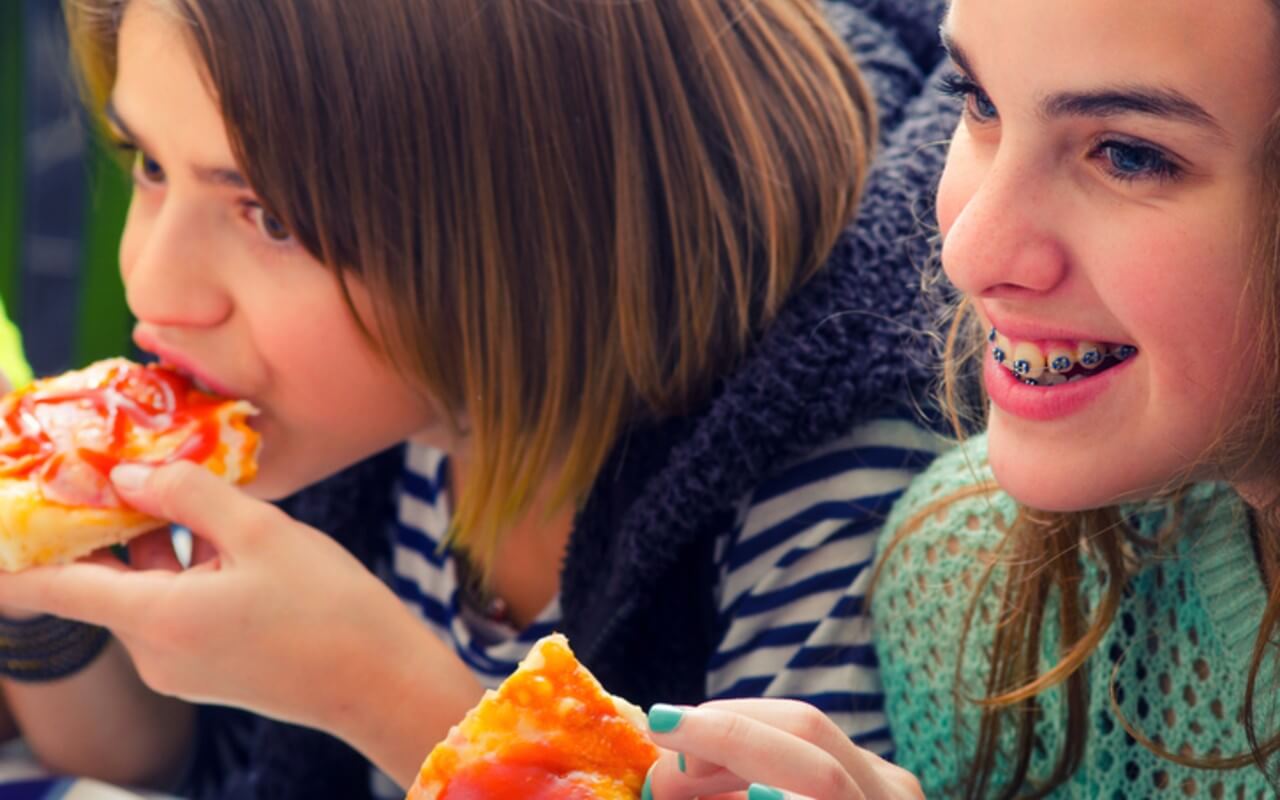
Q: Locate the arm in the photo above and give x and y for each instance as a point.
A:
(102, 722)
(276, 618)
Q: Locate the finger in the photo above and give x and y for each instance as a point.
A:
(195, 498)
(666, 782)
(154, 550)
(97, 593)
(810, 724)
(696, 767)
(754, 751)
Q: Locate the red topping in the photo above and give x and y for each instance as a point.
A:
(69, 436)
(508, 781)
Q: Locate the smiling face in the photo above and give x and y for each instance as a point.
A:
(1099, 198)
(220, 289)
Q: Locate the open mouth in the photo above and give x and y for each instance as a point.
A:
(1051, 363)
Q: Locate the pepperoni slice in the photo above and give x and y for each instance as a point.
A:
(67, 433)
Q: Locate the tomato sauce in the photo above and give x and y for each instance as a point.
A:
(511, 781)
(69, 435)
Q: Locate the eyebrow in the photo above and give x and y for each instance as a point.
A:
(1112, 101)
(217, 176)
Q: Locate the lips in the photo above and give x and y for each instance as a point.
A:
(186, 366)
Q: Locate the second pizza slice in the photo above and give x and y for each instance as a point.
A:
(550, 732)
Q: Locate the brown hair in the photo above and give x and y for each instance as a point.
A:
(1041, 553)
(574, 215)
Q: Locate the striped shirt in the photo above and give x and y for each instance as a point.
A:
(793, 572)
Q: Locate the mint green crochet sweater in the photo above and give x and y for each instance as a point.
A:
(1182, 640)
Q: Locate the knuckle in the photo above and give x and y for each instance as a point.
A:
(166, 485)
(257, 521)
(830, 779)
(734, 729)
(811, 724)
(909, 783)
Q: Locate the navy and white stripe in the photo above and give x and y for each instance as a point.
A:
(793, 573)
(795, 570)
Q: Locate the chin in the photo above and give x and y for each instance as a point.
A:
(1039, 483)
(279, 478)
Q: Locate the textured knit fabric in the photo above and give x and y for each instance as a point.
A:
(1177, 655)
(640, 588)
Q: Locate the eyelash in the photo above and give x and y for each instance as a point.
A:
(254, 210)
(1160, 168)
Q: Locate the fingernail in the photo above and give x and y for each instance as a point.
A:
(131, 476)
(758, 791)
(664, 718)
(647, 792)
(680, 762)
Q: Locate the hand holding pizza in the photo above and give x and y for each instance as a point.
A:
(277, 617)
(766, 749)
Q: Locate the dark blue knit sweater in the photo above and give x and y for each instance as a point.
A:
(849, 346)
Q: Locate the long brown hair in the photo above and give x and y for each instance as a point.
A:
(1042, 554)
(573, 215)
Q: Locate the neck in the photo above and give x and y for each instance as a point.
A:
(525, 574)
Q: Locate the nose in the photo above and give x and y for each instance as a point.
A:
(168, 265)
(1000, 239)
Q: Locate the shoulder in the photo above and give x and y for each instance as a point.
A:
(848, 483)
(940, 534)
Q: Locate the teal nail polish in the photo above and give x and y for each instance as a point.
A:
(647, 793)
(758, 791)
(680, 762)
(664, 718)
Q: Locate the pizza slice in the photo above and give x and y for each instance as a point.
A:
(60, 438)
(550, 732)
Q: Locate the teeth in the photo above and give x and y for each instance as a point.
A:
(1028, 360)
(1060, 358)
(1001, 348)
(1031, 364)
(1090, 354)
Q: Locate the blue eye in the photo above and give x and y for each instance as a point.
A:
(977, 103)
(981, 106)
(1131, 161)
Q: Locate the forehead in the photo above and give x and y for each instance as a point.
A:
(160, 87)
(1224, 54)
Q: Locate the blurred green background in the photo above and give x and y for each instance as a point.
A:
(62, 201)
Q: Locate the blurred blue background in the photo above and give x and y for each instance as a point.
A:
(62, 201)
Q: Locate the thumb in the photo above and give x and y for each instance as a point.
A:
(193, 497)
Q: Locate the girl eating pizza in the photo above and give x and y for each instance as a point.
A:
(555, 319)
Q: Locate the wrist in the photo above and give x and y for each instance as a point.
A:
(399, 708)
(43, 648)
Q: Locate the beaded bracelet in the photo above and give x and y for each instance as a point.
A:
(47, 648)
